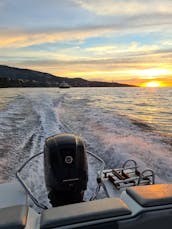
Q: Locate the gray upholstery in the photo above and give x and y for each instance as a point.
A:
(13, 217)
(161, 219)
(83, 212)
(152, 195)
(12, 194)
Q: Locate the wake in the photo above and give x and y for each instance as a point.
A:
(32, 117)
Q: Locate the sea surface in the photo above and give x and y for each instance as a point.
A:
(116, 123)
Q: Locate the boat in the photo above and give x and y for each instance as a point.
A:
(133, 199)
(64, 85)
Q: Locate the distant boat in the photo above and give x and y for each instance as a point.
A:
(64, 85)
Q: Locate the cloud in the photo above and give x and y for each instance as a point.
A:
(38, 13)
(118, 60)
(91, 38)
(55, 21)
(20, 38)
(105, 56)
(61, 64)
(123, 49)
(129, 7)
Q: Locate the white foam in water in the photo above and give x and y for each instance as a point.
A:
(102, 119)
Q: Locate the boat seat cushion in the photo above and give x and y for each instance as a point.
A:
(83, 212)
(151, 195)
(12, 194)
(14, 217)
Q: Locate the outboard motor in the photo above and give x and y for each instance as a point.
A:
(66, 169)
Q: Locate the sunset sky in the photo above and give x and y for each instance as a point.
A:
(128, 41)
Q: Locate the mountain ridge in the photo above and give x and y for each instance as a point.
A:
(21, 77)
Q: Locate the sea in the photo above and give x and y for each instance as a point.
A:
(116, 124)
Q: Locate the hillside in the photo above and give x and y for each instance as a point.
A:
(17, 77)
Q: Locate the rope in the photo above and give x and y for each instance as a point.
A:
(36, 202)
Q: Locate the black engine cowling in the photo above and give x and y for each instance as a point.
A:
(66, 169)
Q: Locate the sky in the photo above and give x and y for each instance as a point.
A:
(125, 41)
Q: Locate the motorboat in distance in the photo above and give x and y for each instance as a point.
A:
(64, 85)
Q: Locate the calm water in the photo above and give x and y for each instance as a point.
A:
(116, 123)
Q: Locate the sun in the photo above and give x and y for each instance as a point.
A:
(152, 84)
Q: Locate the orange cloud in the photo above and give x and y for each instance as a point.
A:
(17, 38)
